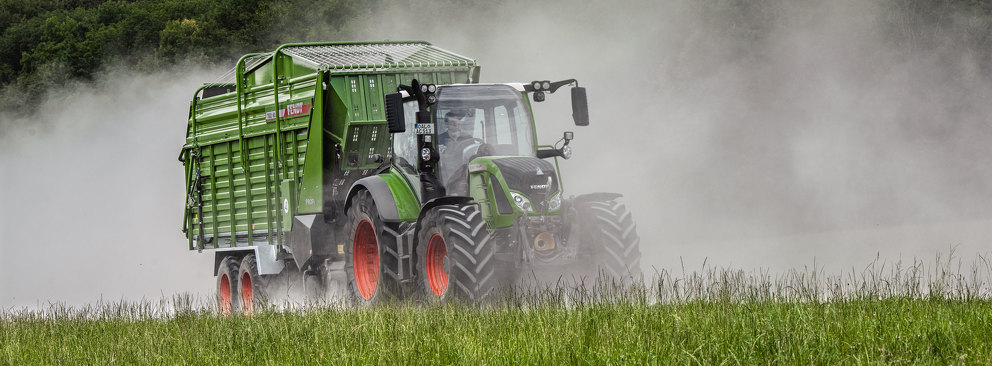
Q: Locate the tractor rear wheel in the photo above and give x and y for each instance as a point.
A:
(611, 240)
(250, 284)
(367, 258)
(455, 255)
(227, 286)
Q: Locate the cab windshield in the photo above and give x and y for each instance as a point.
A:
(480, 120)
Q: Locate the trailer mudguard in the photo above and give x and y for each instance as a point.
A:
(266, 257)
(310, 236)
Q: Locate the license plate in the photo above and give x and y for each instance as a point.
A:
(424, 128)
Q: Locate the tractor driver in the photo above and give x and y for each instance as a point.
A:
(453, 133)
(458, 146)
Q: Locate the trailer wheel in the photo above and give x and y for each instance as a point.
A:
(367, 257)
(250, 285)
(612, 242)
(455, 254)
(227, 286)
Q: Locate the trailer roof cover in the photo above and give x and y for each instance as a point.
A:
(364, 56)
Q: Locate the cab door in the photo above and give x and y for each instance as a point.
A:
(405, 152)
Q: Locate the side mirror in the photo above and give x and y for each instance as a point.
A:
(394, 113)
(580, 106)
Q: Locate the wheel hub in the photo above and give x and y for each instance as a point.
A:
(247, 295)
(366, 260)
(437, 265)
(225, 294)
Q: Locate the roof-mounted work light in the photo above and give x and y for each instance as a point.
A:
(541, 88)
(540, 85)
(428, 91)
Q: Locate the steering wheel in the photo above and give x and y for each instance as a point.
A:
(458, 182)
(465, 147)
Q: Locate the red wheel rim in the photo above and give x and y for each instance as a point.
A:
(437, 278)
(224, 294)
(247, 296)
(366, 259)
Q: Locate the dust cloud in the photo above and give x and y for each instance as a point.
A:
(767, 134)
(91, 194)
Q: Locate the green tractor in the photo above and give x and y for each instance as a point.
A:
(386, 169)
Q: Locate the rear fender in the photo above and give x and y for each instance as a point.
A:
(393, 197)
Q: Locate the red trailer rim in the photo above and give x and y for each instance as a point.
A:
(437, 278)
(366, 259)
(224, 294)
(247, 296)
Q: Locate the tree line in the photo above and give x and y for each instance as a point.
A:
(48, 43)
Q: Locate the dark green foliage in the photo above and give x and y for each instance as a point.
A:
(45, 44)
(83, 35)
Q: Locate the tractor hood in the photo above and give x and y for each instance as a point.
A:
(510, 186)
(533, 177)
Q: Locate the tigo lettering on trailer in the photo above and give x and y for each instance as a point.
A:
(291, 110)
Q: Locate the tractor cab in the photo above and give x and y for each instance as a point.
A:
(475, 121)
(446, 128)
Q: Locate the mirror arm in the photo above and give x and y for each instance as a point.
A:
(558, 84)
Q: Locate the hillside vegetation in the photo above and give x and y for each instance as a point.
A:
(48, 43)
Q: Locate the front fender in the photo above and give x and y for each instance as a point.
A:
(597, 196)
(447, 200)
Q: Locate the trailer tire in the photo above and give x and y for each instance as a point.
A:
(250, 285)
(370, 255)
(612, 242)
(455, 255)
(227, 286)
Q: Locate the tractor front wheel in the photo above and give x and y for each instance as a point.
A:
(611, 240)
(455, 254)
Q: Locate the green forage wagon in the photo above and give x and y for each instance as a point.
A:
(388, 169)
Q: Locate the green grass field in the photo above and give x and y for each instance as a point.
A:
(899, 331)
(896, 316)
